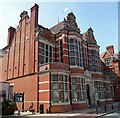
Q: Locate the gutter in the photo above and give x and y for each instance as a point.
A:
(69, 67)
(50, 92)
(38, 69)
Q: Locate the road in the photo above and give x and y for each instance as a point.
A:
(112, 115)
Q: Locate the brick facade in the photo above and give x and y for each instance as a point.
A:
(112, 69)
(57, 67)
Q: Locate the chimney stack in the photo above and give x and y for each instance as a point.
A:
(110, 49)
(11, 32)
(34, 15)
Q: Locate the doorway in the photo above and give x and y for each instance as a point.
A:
(88, 93)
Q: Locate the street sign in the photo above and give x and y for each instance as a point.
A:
(19, 97)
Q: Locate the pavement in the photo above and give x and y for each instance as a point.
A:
(84, 113)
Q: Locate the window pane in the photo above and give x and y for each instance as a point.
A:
(42, 45)
(50, 48)
(66, 78)
(93, 61)
(78, 61)
(46, 59)
(55, 95)
(71, 41)
(55, 78)
(55, 86)
(61, 77)
(79, 43)
(50, 54)
(60, 42)
(66, 96)
(46, 53)
(11, 93)
(66, 86)
(62, 96)
(72, 60)
(80, 96)
(74, 87)
(72, 53)
(46, 47)
(42, 59)
(77, 48)
(71, 47)
(62, 86)
(92, 52)
(50, 59)
(42, 52)
(74, 95)
(74, 80)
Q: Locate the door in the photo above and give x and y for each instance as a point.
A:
(41, 108)
(88, 93)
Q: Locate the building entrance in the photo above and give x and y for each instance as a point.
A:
(88, 93)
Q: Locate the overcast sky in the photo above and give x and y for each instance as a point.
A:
(102, 17)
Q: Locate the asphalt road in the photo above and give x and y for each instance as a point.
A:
(112, 115)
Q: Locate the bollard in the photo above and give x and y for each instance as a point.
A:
(18, 112)
(96, 109)
(112, 106)
(105, 108)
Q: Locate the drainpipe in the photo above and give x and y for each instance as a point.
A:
(69, 66)
(50, 92)
(38, 70)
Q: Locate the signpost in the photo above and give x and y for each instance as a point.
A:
(19, 97)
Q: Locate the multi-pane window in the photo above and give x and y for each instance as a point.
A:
(96, 90)
(11, 93)
(46, 53)
(50, 54)
(108, 61)
(93, 61)
(74, 89)
(61, 51)
(110, 73)
(55, 89)
(105, 90)
(98, 60)
(81, 89)
(78, 51)
(112, 91)
(64, 88)
(101, 92)
(72, 52)
(84, 51)
(108, 90)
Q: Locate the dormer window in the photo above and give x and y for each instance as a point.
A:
(108, 61)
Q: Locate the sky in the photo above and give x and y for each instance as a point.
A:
(102, 17)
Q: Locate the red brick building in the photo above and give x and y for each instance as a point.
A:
(111, 68)
(58, 68)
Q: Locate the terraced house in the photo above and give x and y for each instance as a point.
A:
(57, 69)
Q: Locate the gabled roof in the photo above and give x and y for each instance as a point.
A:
(115, 55)
(57, 28)
(89, 37)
